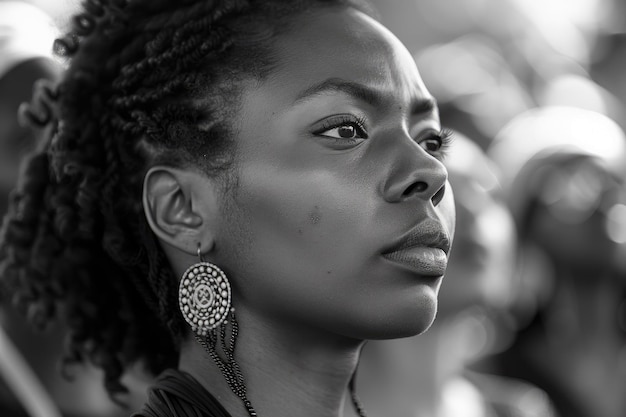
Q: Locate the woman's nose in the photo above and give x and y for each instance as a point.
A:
(417, 175)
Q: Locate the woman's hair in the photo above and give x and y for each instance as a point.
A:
(147, 82)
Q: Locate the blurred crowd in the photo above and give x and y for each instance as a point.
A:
(532, 316)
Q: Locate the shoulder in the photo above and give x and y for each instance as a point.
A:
(177, 394)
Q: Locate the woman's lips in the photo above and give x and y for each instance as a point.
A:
(424, 249)
(424, 260)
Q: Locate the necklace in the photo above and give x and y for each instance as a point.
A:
(355, 399)
(230, 369)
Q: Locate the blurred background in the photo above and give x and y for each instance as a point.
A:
(538, 89)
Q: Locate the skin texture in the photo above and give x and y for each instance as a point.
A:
(322, 212)
(302, 233)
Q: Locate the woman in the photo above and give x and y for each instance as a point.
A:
(239, 192)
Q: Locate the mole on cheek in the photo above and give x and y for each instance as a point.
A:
(315, 215)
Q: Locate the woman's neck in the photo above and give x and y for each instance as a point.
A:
(287, 371)
(407, 376)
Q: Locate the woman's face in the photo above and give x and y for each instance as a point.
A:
(338, 167)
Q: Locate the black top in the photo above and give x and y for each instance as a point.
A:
(177, 394)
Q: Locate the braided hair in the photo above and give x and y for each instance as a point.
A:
(147, 82)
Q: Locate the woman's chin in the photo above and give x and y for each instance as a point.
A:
(415, 325)
(400, 323)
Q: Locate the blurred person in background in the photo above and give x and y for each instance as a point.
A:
(428, 375)
(488, 61)
(26, 36)
(479, 91)
(564, 180)
(609, 67)
(30, 384)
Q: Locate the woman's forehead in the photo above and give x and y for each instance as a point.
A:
(348, 45)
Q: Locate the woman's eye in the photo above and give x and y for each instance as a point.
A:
(348, 130)
(431, 144)
(438, 143)
(345, 130)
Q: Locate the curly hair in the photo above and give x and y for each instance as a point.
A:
(147, 82)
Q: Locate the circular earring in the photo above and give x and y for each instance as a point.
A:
(204, 296)
(204, 299)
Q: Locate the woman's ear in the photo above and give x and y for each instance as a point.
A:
(181, 207)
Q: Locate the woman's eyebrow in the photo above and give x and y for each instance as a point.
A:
(360, 92)
(338, 85)
(424, 106)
